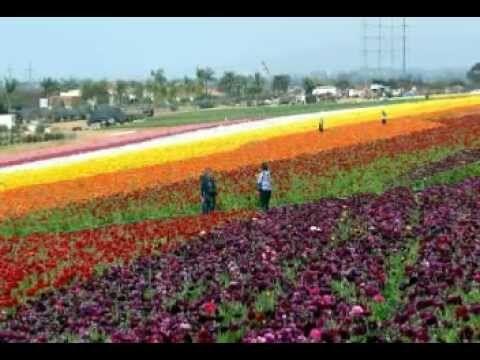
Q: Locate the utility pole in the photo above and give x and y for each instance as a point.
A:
(365, 48)
(10, 72)
(380, 43)
(392, 43)
(29, 72)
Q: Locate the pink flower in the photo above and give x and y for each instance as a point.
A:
(261, 339)
(378, 298)
(269, 337)
(314, 290)
(476, 277)
(316, 334)
(327, 300)
(357, 310)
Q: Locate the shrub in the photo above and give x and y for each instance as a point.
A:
(40, 129)
(310, 99)
(205, 103)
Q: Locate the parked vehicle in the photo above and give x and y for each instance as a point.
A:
(106, 116)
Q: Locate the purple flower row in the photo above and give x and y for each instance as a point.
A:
(306, 273)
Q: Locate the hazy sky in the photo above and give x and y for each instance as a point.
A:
(131, 47)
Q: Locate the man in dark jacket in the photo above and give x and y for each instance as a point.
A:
(208, 191)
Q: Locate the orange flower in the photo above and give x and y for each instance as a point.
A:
(21, 201)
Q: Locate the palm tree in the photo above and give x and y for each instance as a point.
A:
(204, 76)
(227, 82)
(159, 76)
(121, 88)
(49, 85)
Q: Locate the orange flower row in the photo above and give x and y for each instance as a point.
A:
(21, 201)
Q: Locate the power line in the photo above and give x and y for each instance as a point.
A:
(404, 43)
(378, 42)
(392, 43)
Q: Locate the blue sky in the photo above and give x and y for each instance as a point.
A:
(131, 47)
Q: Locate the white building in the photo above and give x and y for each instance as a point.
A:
(355, 93)
(43, 103)
(7, 120)
(71, 93)
(325, 91)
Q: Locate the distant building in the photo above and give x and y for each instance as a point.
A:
(7, 120)
(355, 93)
(67, 99)
(71, 93)
(43, 103)
(325, 92)
(215, 92)
(379, 90)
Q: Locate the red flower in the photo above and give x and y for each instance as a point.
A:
(462, 312)
(209, 308)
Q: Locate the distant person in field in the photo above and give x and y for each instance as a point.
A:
(208, 191)
(384, 117)
(320, 125)
(264, 186)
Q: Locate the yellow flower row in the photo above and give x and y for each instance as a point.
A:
(186, 148)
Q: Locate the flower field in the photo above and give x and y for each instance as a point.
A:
(372, 238)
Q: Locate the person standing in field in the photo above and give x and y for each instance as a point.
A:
(264, 186)
(384, 117)
(320, 125)
(208, 191)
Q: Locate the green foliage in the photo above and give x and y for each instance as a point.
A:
(49, 86)
(474, 74)
(204, 76)
(308, 85)
(230, 336)
(344, 289)
(232, 313)
(95, 90)
(267, 300)
(194, 117)
(280, 83)
(159, 76)
(40, 129)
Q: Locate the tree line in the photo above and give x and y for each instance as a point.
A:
(235, 86)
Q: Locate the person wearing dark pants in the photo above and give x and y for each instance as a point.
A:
(384, 117)
(208, 192)
(264, 186)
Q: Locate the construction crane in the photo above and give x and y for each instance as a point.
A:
(265, 68)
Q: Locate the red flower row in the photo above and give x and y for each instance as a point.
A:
(40, 261)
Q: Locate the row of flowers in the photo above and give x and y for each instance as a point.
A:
(41, 261)
(402, 266)
(97, 143)
(205, 143)
(23, 200)
(343, 149)
(32, 263)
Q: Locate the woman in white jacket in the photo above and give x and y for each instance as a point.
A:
(264, 186)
